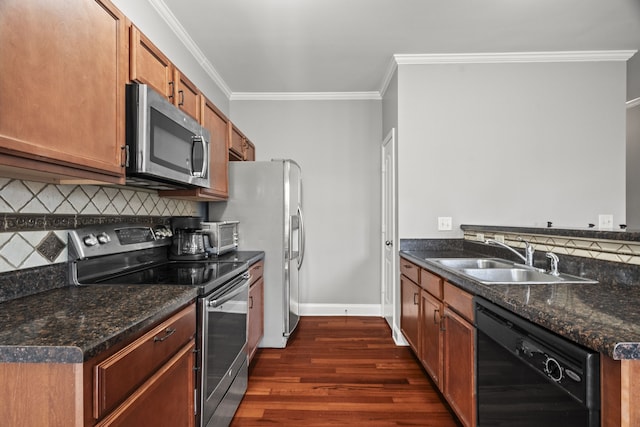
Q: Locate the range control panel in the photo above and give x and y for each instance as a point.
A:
(98, 240)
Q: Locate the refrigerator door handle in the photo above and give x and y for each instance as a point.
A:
(301, 239)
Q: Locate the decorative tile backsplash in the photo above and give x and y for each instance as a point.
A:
(603, 249)
(35, 217)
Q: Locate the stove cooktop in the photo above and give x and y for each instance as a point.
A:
(205, 275)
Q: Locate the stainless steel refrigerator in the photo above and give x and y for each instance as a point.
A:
(266, 197)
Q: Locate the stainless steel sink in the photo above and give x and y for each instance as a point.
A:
(458, 263)
(494, 271)
(525, 276)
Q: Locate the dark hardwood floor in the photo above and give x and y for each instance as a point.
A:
(339, 371)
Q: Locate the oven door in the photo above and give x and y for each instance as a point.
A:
(223, 350)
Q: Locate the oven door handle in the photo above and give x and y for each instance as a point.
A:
(213, 303)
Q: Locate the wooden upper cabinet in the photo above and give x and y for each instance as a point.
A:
(249, 151)
(240, 148)
(218, 126)
(187, 96)
(236, 144)
(63, 69)
(148, 65)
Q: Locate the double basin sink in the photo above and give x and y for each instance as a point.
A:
(494, 271)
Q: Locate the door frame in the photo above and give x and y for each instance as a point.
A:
(394, 286)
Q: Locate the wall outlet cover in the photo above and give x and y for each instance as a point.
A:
(605, 221)
(444, 223)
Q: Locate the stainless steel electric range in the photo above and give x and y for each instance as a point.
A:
(137, 254)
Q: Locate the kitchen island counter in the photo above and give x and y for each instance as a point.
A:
(603, 316)
(73, 324)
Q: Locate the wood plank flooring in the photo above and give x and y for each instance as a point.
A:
(339, 371)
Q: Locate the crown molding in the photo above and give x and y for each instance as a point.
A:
(514, 57)
(388, 75)
(305, 96)
(633, 103)
(166, 14)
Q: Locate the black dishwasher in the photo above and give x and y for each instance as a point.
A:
(530, 377)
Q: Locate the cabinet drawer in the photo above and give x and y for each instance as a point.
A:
(410, 270)
(431, 283)
(256, 271)
(119, 375)
(459, 300)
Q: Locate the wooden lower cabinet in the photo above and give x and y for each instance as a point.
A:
(459, 372)
(438, 324)
(166, 399)
(410, 312)
(432, 338)
(149, 381)
(256, 308)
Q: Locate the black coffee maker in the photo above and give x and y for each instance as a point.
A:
(189, 241)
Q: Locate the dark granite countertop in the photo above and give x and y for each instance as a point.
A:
(73, 324)
(604, 316)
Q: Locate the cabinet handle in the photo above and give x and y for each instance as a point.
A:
(408, 266)
(414, 299)
(442, 328)
(436, 314)
(167, 333)
(181, 92)
(250, 302)
(171, 90)
(124, 163)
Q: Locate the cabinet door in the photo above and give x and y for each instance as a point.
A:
(236, 143)
(431, 336)
(256, 316)
(165, 400)
(62, 102)
(410, 312)
(459, 378)
(218, 126)
(249, 151)
(187, 95)
(148, 65)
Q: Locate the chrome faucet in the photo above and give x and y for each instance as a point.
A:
(528, 250)
(554, 263)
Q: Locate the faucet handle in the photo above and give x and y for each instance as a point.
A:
(554, 263)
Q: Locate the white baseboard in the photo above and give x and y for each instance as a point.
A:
(398, 338)
(341, 310)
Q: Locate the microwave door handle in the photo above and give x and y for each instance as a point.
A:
(205, 157)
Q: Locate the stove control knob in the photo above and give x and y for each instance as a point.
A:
(90, 240)
(103, 238)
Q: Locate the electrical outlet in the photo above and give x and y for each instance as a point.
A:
(499, 238)
(444, 223)
(480, 237)
(605, 221)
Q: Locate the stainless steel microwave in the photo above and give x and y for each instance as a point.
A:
(166, 149)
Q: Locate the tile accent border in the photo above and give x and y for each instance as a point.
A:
(622, 251)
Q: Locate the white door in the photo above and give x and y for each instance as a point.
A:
(389, 230)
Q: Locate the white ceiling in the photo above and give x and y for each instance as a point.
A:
(283, 46)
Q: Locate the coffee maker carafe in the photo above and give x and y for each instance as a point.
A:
(188, 239)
